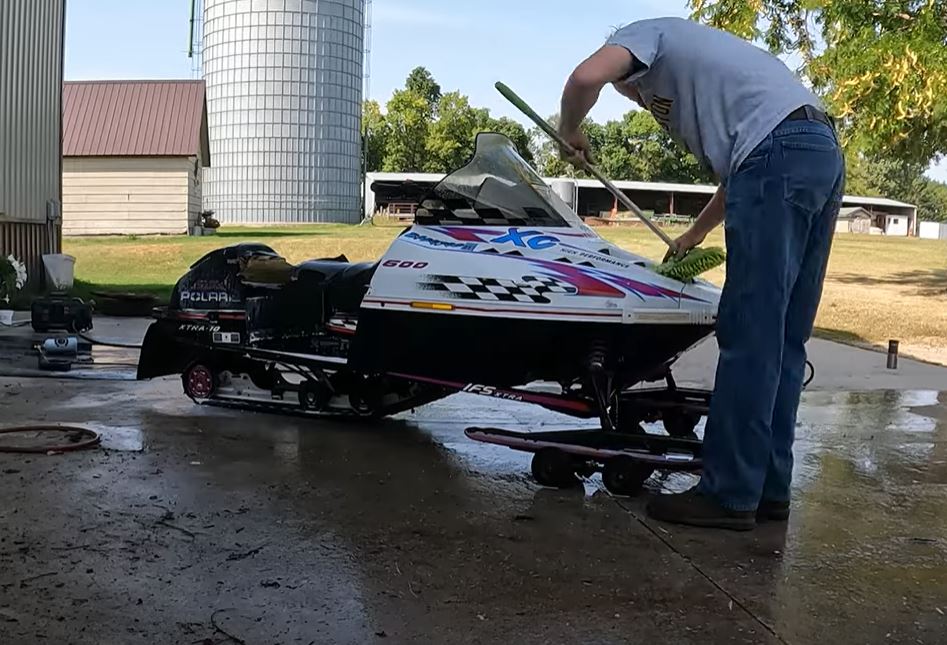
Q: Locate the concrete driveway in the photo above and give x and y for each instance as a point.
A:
(196, 524)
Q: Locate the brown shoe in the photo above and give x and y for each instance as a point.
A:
(695, 509)
(772, 511)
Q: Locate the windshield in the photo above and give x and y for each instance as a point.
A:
(496, 188)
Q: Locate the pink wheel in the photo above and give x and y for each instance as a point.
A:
(199, 381)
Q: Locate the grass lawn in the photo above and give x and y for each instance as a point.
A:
(877, 288)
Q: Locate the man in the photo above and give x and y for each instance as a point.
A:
(744, 115)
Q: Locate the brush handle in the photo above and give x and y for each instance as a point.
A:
(521, 105)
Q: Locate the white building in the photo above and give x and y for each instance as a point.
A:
(395, 191)
(932, 230)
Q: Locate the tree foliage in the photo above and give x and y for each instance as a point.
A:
(903, 181)
(881, 65)
(374, 134)
(513, 131)
(450, 137)
(407, 124)
(422, 83)
(546, 153)
(423, 130)
(637, 147)
(634, 147)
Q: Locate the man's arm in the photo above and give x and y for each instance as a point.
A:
(712, 214)
(608, 64)
(710, 217)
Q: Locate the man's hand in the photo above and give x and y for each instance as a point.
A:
(688, 240)
(710, 217)
(581, 147)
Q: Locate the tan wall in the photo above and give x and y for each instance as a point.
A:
(128, 195)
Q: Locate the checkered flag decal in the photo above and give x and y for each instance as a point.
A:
(528, 289)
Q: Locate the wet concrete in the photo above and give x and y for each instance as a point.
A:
(18, 355)
(196, 521)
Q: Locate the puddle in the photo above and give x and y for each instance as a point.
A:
(120, 438)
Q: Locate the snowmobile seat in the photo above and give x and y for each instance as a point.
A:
(342, 286)
(314, 272)
(346, 288)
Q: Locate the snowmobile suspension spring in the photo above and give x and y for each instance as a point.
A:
(596, 358)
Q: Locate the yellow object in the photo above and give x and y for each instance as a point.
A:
(437, 306)
(692, 264)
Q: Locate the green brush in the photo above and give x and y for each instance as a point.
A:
(692, 263)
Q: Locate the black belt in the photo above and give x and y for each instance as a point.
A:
(809, 113)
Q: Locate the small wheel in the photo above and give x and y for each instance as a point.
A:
(261, 375)
(625, 476)
(313, 395)
(681, 424)
(555, 468)
(367, 396)
(199, 381)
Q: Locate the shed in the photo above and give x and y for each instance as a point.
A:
(932, 230)
(133, 154)
(853, 219)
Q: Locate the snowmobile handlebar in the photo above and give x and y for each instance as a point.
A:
(522, 106)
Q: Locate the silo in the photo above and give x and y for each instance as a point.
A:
(566, 189)
(284, 94)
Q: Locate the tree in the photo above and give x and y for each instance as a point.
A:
(407, 120)
(450, 138)
(882, 68)
(422, 83)
(903, 181)
(512, 130)
(546, 153)
(635, 148)
(655, 155)
(374, 135)
(935, 208)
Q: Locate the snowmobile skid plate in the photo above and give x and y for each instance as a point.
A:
(290, 407)
(626, 460)
(667, 453)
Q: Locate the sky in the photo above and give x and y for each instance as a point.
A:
(468, 45)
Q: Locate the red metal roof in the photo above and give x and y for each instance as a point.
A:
(134, 118)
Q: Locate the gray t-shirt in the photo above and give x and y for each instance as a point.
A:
(717, 93)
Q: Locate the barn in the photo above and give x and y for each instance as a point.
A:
(133, 155)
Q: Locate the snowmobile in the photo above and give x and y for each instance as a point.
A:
(497, 286)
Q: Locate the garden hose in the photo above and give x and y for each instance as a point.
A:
(77, 438)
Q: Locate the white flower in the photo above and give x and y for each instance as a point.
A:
(20, 269)
(7, 286)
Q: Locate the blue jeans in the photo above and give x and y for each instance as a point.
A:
(781, 207)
